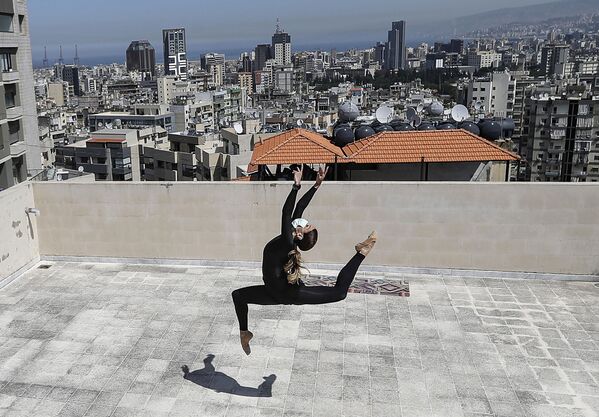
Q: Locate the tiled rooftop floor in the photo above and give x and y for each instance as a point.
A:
(109, 340)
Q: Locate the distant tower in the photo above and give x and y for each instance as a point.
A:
(175, 52)
(45, 63)
(60, 58)
(76, 60)
(281, 46)
(141, 57)
(396, 58)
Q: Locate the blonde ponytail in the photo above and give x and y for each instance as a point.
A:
(293, 267)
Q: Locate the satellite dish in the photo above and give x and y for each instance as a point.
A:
(238, 128)
(460, 113)
(384, 114)
(478, 105)
(417, 121)
(420, 108)
(300, 123)
(80, 169)
(411, 113)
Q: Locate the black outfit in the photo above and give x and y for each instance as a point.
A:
(276, 289)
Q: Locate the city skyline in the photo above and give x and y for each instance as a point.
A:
(53, 25)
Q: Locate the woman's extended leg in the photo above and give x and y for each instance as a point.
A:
(257, 294)
(325, 295)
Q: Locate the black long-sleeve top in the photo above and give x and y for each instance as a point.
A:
(276, 252)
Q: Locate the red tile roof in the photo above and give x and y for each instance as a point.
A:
(433, 146)
(297, 146)
(302, 146)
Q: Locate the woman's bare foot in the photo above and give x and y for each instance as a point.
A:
(365, 247)
(245, 337)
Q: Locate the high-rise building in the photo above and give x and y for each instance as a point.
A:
(20, 148)
(281, 47)
(379, 53)
(70, 74)
(246, 63)
(175, 52)
(214, 64)
(554, 60)
(262, 54)
(141, 57)
(396, 52)
(562, 142)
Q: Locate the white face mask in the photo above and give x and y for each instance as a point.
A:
(299, 223)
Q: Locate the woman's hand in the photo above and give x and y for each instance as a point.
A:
(322, 173)
(297, 175)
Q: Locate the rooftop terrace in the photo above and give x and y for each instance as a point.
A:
(110, 339)
(501, 318)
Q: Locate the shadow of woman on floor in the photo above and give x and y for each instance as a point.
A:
(219, 382)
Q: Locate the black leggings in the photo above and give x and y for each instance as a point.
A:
(261, 294)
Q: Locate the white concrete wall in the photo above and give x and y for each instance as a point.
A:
(18, 231)
(543, 228)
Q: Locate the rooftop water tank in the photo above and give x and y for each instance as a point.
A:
(383, 128)
(403, 127)
(348, 112)
(363, 132)
(445, 126)
(343, 135)
(490, 129)
(426, 126)
(470, 127)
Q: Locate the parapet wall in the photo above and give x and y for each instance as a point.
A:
(523, 227)
(18, 232)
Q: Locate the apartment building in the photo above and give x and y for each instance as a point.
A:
(563, 139)
(20, 149)
(495, 93)
(110, 154)
(483, 59)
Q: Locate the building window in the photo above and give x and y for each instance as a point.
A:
(10, 95)
(6, 22)
(14, 131)
(6, 62)
(21, 23)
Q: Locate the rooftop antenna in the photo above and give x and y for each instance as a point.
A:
(278, 30)
(76, 60)
(60, 59)
(45, 64)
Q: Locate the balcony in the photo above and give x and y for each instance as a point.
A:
(552, 174)
(9, 76)
(95, 168)
(18, 148)
(13, 113)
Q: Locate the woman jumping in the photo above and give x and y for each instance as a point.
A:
(282, 264)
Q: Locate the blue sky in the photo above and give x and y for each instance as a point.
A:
(105, 28)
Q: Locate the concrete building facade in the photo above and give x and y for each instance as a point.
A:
(495, 92)
(20, 150)
(563, 139)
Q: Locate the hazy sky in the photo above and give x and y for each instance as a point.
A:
(105, 28)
